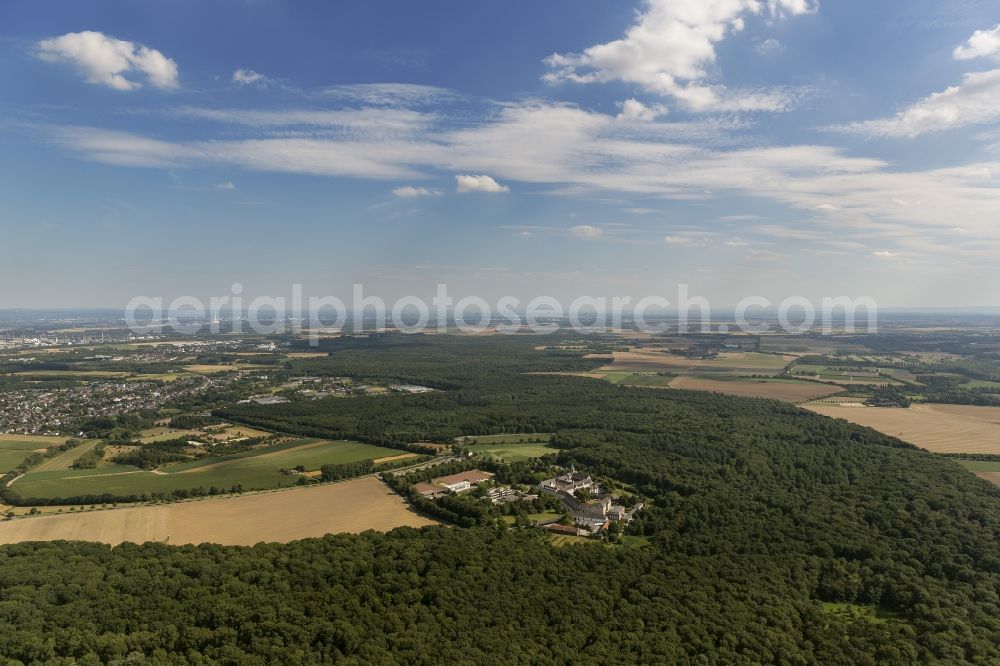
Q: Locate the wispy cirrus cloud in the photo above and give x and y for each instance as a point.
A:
(380, 120)
(574, 151)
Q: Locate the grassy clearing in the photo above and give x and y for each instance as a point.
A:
(257, 469)
(544, 517)
(511, 448)
(165, 434)
(980, 465)
(634, 542)
(238, 432)
(859, 612)
(11, 459)
(514, 452)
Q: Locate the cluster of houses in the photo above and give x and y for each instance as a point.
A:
(590, 517)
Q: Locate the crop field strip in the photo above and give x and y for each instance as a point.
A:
(255, 469)
(64, 460)
(784, 390)
(356, 505)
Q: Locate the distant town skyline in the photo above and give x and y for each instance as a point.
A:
(742, 147)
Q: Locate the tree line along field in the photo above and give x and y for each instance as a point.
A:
(254, 469)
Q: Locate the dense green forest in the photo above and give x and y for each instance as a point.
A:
(773, 536)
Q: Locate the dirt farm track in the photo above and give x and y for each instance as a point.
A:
(281, 516)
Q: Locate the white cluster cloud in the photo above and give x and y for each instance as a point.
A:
(104, 60)
(409, 192)
(669, 50)
(769, 46)
(678, 240)
(248, 77)
(467, 183)
(587, 231)
(982, 44)
(633, 109)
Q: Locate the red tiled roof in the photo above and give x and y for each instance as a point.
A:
(565, 529)
(472, 476)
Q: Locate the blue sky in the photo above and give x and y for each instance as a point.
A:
(772, 147)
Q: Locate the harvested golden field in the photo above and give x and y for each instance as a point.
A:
(238, 432)
(731, 364)
(939, 428)
(43, 441)
(992, 477)
(161, 434)
(749, 388)
(642, 360)
(388, 459)
(282, 516)
(307, 354)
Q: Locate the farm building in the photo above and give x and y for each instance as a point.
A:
(455, 483)
(429, 490)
